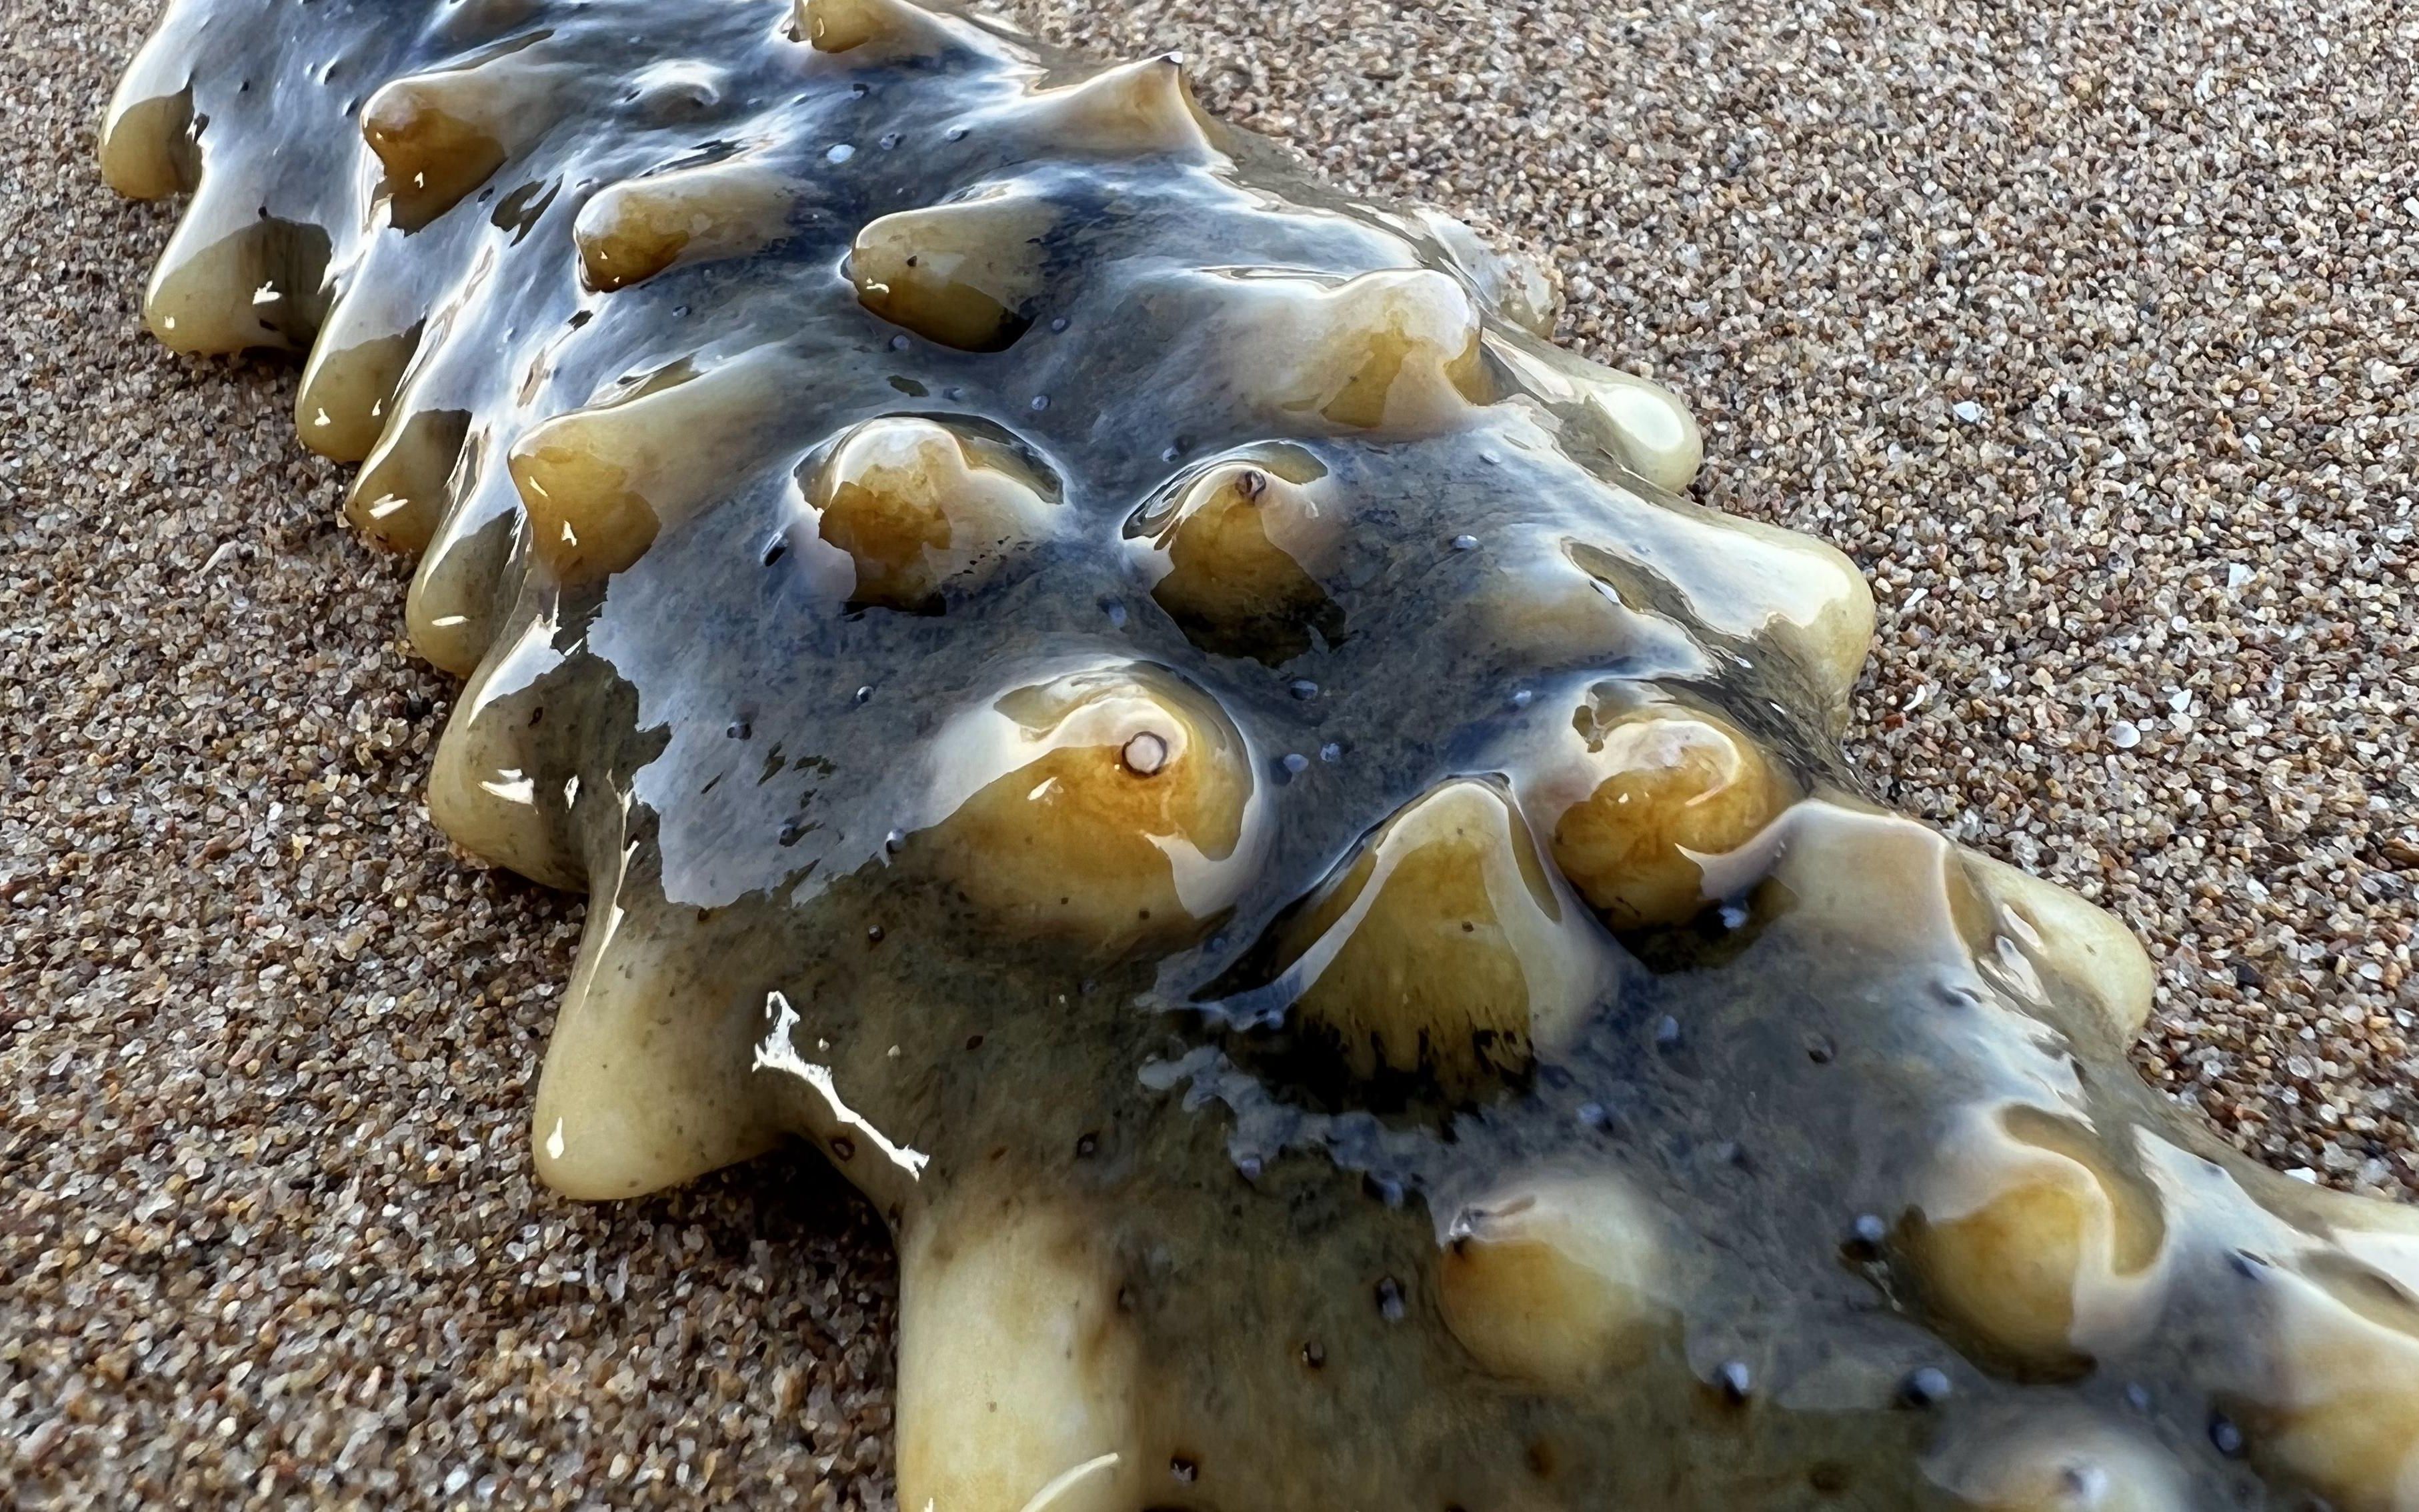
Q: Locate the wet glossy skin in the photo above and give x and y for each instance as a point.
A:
(1138, 705)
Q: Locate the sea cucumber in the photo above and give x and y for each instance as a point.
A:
(1144, 707)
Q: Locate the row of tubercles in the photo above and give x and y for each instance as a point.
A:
(1448, 943)
(1394, 350)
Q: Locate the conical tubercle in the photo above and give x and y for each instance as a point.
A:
(1018, 1373)
(401, 493)
(231, 279)
(2034, 1240)
(1774, 588)
(916, 504)
(965, 273)
(601, 483)
(1648, 425)
(442, 134)
(1637, 795)
(1556, 1279)
(1522, 290)
(1894, 889)
(1236, 551)
(1443, 944)
(869, 32)
(484, 791)
(2346, 1410)
(650, 1079)
(1108, 805)
(472, 566)
(1139, 109)
(346, 398)
(147, 146)
(635, 229)
(1395, 351)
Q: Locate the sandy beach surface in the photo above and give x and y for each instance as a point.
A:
(2091, 333)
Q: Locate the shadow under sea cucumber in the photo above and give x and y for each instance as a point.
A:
(1142, 706)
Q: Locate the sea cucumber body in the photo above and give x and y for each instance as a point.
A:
(1141, 705)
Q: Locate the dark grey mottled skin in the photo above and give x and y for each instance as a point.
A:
(1259, 1228)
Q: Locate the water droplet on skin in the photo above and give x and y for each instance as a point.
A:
(1667, 1031)
(738, 730)
(1249, 1166)
(1736, 1382)
(1465, 543)
(1184, 1470)
(1925, 1387)
(791, 832)
(865, 693)
(955, 133)
(1523, 698)
(873, 935)
(1040, 402)
(1058, 323)
(839, 153)
(894, 840)
(1304, 688)
(1390, 1300)
(1869, 1230)
(899, 343)
(2226, 1436)
(1315, 1355)
(889, 140)
(1330, 752)
(1593, 1115)
(2137, 1396)
(1117, 616)
(775, 552)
